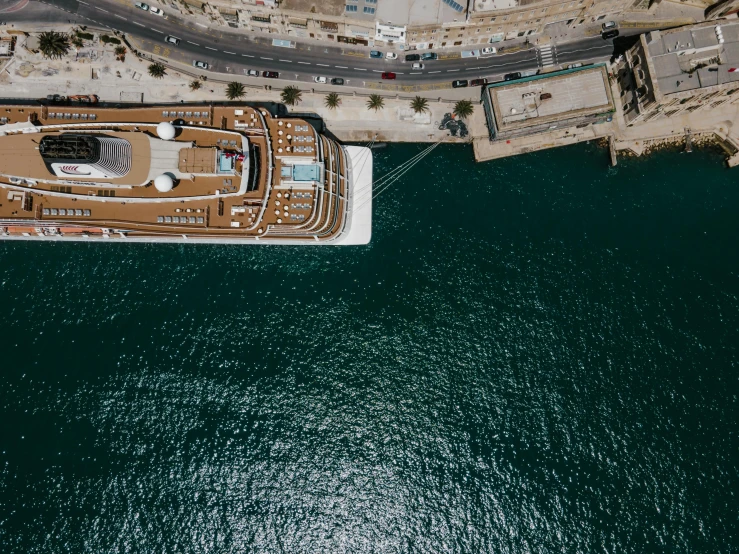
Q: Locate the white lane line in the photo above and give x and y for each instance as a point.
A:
(120, 17)
(191, 42)
(341, 66)
(399, 73)
(156, 30)
(430, 72)
(227, 52)
(323, 64)
(263, 58)
(360, 69)
(247, 55)
(560, 52)
(451, 70)
(416, 73)
(201, 25)
(81, 2)
(288, 61)
(139, 24)
(305, 63)
(209, 48)
(101, 9)
(376, 71)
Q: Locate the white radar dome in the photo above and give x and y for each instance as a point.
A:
(166, 131)
(164, 183)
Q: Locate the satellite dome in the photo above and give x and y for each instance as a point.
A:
(164, 183)
(166, 130)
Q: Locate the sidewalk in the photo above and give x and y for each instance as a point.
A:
(94, 70)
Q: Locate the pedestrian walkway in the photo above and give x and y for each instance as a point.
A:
(547, 55)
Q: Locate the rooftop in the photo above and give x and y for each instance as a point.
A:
(693, 58)
(550, 98)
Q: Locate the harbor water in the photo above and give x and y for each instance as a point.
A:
(533, 355)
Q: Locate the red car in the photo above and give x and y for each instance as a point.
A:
(271, 74)
(388, 75)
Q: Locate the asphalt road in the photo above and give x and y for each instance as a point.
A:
(232, 52)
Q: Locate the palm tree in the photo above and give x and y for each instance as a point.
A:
(53, 44)
(420, 105)
(375, 102)
(463, 109)
(77, 42)
(195, 85)
(120, 50)
(291, 95)
(332, 100)
(157, 70)
(235, 90)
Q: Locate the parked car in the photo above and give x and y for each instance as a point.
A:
(478, 82)
(200, 65)
(251, 72)
(337, 81)
(413, 58)
(320, 80)
(376, 54)
(609, 25)
(429, 56)
(270, 74)
(512, 76)
(142, 6)
(489, 50)
(388, 75)
(172, 40)
(574, 65)
(460, 83)
(609, 34)
(391, 56)
(156, 11)
(417, 65)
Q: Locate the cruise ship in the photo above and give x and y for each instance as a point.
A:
(196, 173)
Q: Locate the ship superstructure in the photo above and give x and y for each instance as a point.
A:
(165, 173)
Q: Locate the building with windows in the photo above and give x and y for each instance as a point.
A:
(668, 73)
(575, 97)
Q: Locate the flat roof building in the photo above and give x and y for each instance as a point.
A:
(685, 69)
(542, 102)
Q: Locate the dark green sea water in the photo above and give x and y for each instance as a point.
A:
(534, 355)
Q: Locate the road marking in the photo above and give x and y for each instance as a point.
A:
(247, 56)
(101, 9)
(430, 72)
(121, 17)
(156, 30)
(139, 24)
(416, 73)
(262, 58)
(191, 42)
(399, 73)
(81, 2)
(472, 68)
(305, 63)
(451, 70)
(376, 71)
(288, 61)
(585, 49)
(226, 52)
(341, 66)
(323, 64)
(209, 48)
(360, 69)
(201, 25)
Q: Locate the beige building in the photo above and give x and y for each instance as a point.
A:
(414, 24)
(682, 70)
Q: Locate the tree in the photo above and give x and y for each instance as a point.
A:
(53, 44)
(291, 95)
(77, 42)
(235, 90)
(375, 102)
(332, 100)
(157, 70)
(120, 53)
(463, 109)
(195, 85)
(420, 105)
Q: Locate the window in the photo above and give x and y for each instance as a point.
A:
(492, 20)
(370, 1)
(369, 10)
(488, 29)
(351, 8)
(453, 5)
